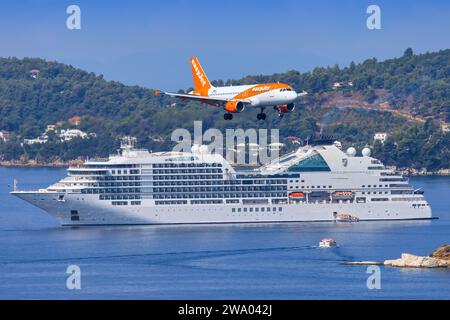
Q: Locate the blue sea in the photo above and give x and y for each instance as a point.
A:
(250, 261)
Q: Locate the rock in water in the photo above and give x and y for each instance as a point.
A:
(412, 261)
(442, 253)
(438, 259)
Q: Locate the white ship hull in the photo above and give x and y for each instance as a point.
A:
(91, 211)
(315, 183)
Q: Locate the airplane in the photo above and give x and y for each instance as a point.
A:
(234, 99)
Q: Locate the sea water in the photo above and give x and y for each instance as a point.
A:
(236, 261)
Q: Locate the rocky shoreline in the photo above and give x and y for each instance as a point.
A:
(438, 259)
(411, 172)
(61, 164)
(36, 164)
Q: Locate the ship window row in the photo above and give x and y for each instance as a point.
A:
(119, 184)
(184, 183)
(216, 195)
(256, 209)
(207, 182)
(125, 203)
(119, 197)
(86, 173)
(134, 171)
(119, 203)
(420, 205)
(183, 177)
(264, 182)
(213, 189)
(206, 201)
(219, 181)
(108, 166)
(375, 186)
(119, 178)
(312, 187)
(186, 165)
(171, 202)
(375, 192)
(96, 191)
(174, 171)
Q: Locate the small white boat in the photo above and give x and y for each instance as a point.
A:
(327, 243)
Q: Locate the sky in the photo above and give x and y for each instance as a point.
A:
(149, 43)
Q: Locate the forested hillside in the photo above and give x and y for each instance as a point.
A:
(408, 97)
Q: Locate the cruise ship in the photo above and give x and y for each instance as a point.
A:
(317, 182)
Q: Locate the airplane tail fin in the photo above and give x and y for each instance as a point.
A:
(201, 82)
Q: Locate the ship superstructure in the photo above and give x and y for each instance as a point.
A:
(315, 183)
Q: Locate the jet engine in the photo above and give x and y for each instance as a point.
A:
(235, 106)
(285, 108)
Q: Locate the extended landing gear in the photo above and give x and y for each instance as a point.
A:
(261, 115)
(228, 116)
(281, 110)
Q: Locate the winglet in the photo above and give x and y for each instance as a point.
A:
(201, 82)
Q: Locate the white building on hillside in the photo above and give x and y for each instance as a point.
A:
(380, 136)
(4, 136)
(69, 134)
(40, 140)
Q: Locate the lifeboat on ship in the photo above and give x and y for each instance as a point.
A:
(346, 218)
(297, 195)
(343, 195)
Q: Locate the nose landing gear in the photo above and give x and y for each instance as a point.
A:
(228, 116)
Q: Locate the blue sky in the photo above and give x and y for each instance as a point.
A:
(149, 42)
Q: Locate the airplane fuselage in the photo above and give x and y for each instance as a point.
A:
(259, 95)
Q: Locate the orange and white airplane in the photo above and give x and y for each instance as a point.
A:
(235, 99)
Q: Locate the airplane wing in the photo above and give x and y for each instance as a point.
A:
(213, 101)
